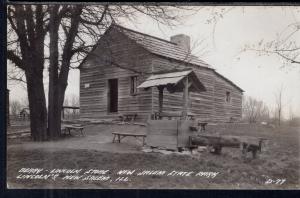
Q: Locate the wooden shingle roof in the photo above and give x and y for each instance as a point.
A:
(173, 79)
(161, 47)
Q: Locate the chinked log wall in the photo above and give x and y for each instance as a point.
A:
(210, 104)
(226, 110)
(96, 72)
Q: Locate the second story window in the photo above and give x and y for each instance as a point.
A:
(228, 97)
(133, 85)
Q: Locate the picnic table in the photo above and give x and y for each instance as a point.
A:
(75, 127)
(120, 136)
(202, 125)
(161, 115)
(128, 116)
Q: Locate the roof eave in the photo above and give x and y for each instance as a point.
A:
(95, 46)
(185, 62)
(229, 81)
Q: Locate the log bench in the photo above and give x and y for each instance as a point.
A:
(120, 136)
(216, 143)
(78, 128)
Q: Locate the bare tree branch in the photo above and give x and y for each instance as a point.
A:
(15, 59)
(275, 52)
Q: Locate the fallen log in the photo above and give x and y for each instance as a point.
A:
(215, 143)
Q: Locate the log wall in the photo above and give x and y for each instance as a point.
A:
(97, 70)
(224, 111)
(211, 104)
(133, 60)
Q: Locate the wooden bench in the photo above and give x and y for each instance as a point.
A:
(69, 128)
(120, 136)
(202, 125)
(128, 117)
(190, 116)
(170, 116)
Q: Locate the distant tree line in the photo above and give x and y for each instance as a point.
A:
(256, 111)
(16, 106)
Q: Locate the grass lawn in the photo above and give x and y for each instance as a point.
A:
(278, 166)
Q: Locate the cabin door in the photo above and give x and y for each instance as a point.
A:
(113, 95)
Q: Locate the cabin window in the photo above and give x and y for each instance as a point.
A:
(106, 59)
(228, 96)
(133, 85)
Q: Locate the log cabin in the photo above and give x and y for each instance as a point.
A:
(123, 59)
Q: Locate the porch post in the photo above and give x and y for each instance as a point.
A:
(160, 98)
(185, 97)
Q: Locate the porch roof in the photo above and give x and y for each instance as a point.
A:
(174, 81)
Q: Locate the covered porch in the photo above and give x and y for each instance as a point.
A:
(184, 81)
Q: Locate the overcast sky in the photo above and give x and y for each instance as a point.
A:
(259, 76)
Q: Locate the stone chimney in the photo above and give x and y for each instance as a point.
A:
(182, 40)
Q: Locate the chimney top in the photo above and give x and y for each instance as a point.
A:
(182, 40)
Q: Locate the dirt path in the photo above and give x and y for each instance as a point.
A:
(97, 137)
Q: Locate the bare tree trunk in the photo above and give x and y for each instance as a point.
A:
(37, 105)
(58, 82)
(54, 112)
(56, 98)
(54, 109)
(279, 116)
(278, 99)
